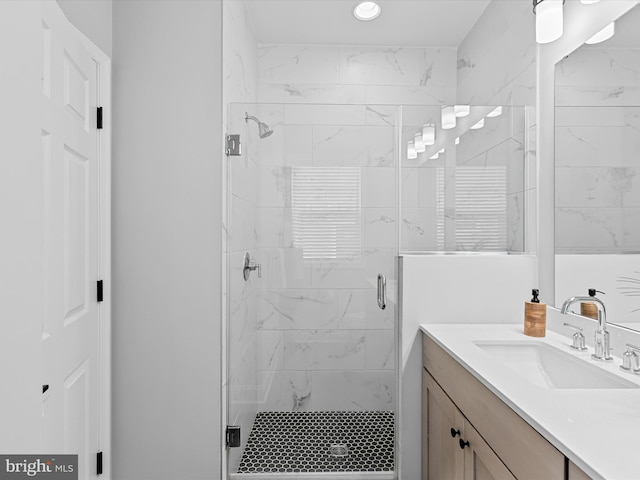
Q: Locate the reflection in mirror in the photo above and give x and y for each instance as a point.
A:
(464, 179)
(597, 169)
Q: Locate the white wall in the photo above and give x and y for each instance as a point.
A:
(166, 239)
(93, 18)
(452, 289)
(22, 220)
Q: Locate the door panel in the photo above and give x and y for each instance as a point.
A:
(70, 184)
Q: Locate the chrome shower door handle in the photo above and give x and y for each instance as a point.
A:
(382, 291)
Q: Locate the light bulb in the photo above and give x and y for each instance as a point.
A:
(419, 144)
(461, 110)
(448, 118)
(429, 134)
(412, 154)
(495, 113)
(457, 140)
(435, 156)
(441, 151)
(605, 34)
(548, 20)
(478, 125)
(588, 2)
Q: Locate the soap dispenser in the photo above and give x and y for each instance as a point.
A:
(535, 316)
(589, 309)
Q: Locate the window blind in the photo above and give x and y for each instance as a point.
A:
(326, 212)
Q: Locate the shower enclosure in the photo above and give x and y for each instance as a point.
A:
(311, 355)
(321, 199)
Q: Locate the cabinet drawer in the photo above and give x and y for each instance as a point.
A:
(519, 446)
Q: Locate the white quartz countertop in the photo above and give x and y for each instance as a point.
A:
(597, 429)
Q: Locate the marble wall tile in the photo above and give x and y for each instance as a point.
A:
(275, 184)
(288, 145)
(275, 227)
(409, 95)
(597, 117)
(285, 391)
(284, 268)
(379, 350)
(596, 146)
(380, 226)
(397, 66)
(379, 189)
(410, 187)
(418, 231)
(322, 115)
(354, 390)
(240, 54)
(359, 273)
(353, 145)
(516, 221)
(427, 185)
(590, 67)
(382, 115)
(358, 309)
(598, 187)
(324, 349)
(270, 348)
(243, 233)
(292, 309)
(299, 64)
(596, 95)
(631, 230)
(323, 93)
(589, 229)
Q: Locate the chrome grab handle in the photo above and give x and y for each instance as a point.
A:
(382, 291)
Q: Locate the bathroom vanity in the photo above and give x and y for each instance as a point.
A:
(500, 405)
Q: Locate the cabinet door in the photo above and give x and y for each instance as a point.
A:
(480, 462)
(442, 456)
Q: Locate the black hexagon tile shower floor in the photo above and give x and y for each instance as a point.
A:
(295, 442)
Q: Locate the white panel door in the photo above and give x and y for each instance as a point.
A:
(70, 330)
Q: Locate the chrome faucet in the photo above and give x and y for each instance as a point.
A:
(602, 346)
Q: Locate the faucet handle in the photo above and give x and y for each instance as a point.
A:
(578, 338)
(631, 360)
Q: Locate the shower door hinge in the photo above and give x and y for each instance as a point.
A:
(99, 463)
(99, 118)
(233, 146)
(99, 291)
(233, 436)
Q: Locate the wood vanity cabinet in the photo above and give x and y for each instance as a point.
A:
(501, 445)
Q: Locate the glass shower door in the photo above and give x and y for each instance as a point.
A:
(311, 355)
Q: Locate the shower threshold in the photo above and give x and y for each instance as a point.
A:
(326, 445)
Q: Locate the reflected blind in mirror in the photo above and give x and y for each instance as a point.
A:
(326, 212)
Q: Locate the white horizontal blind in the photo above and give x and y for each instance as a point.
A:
(326, 212)
(481, 208)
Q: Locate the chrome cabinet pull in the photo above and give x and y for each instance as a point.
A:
(382, 291)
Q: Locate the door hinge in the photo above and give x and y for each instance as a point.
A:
(99, 119)
(99, 291)
(233, 436)
(99, 463)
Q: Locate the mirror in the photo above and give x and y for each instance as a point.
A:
(597, 171)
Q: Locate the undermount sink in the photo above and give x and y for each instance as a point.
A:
(548, 367)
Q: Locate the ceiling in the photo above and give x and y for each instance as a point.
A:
(407, 23)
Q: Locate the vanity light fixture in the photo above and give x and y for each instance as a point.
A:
(478, 125)
(495, 113)
(548, 20)
(412, 154)
(457, 142)
(461, 110)
(605, 34)
(435, 157)
(441, 151)
(418, 142)
(448, 117)
(588, 2)
(366, 11)
(429, 134)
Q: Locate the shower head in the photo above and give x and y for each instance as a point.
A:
(264, 130)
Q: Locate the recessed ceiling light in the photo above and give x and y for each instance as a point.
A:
(366, 11)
